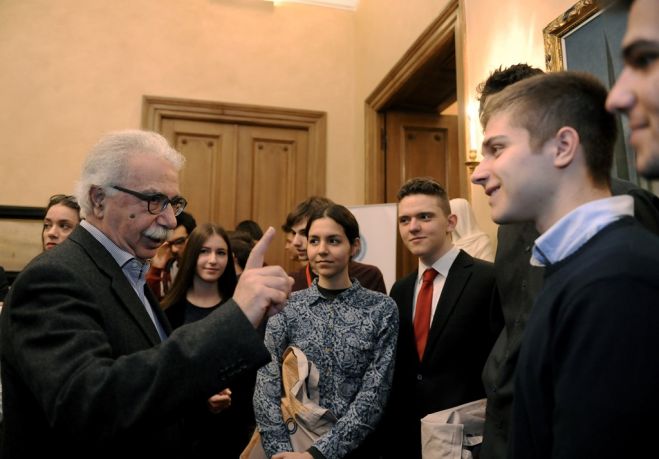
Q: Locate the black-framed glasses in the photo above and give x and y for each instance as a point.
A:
(157, 202)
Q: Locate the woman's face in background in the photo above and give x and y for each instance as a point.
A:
(212, 259)
(59, 222)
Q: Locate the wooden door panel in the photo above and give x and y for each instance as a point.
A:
(208, 179)
(420, 144)
(272, 176)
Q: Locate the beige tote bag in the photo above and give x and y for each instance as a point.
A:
(451, 433)
(305, 419)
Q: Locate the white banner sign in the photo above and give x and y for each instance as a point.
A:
(378, 232)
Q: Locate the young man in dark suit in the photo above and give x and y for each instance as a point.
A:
(89, 367)
(447, 324)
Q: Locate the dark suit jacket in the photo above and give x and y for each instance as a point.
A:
(466, 323)
(84, 372)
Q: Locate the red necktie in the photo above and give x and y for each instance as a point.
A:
(422, 313)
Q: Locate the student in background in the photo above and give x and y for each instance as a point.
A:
(519, 283)
(241, 246)
(164, 265)
(449, 319)
(586, 363)
(347, 331)
(206, 280)
(369, 276)
(636, 92)
(62, 216)
(252, 228)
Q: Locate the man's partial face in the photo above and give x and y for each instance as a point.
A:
(292, 253)
(299, 242)
(177, 240)
(515, 178)
(636, 93)
(424, 227)
(126, 219)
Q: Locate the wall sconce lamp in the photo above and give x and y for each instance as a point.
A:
(474, 136)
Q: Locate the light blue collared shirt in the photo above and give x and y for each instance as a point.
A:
(576, 228)
(133, 269)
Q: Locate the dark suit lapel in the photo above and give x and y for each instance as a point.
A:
(157, 310)
(408, 294)
(455, 284)
(122, 289)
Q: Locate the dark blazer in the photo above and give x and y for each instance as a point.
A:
(84, 372)
(466, 323)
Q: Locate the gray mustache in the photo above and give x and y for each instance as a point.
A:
(157, 232)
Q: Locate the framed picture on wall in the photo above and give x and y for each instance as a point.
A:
(587, 38)
(20, 237)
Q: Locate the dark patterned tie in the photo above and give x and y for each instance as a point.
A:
(422, 313)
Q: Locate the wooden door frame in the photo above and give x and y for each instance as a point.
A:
(449, 24)
(156, 108)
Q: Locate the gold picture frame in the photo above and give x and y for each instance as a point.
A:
(553, 33)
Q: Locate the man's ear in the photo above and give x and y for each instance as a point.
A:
(452, 221)
(97, 198)
(566, 142)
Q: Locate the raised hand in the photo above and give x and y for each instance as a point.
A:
(262, 290)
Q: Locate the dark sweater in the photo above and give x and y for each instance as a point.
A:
(588, 370)
(519, 283)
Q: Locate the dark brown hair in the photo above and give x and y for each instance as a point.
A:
(543, 104)
(427, 186)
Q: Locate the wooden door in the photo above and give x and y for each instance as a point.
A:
(419, 144)
(235, 172)
(272, 179)
(208, 179)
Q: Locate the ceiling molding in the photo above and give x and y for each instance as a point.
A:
(341, 4)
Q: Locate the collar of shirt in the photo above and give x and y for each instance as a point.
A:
(135, 269)
(442, 266)
(576, 228)
(316, 296)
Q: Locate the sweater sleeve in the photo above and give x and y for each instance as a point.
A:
(605, 374)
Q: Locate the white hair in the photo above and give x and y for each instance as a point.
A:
(107, 162)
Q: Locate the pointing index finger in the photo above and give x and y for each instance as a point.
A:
(257, 255)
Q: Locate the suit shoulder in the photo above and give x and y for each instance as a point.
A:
(405, 280)
(484, 265)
